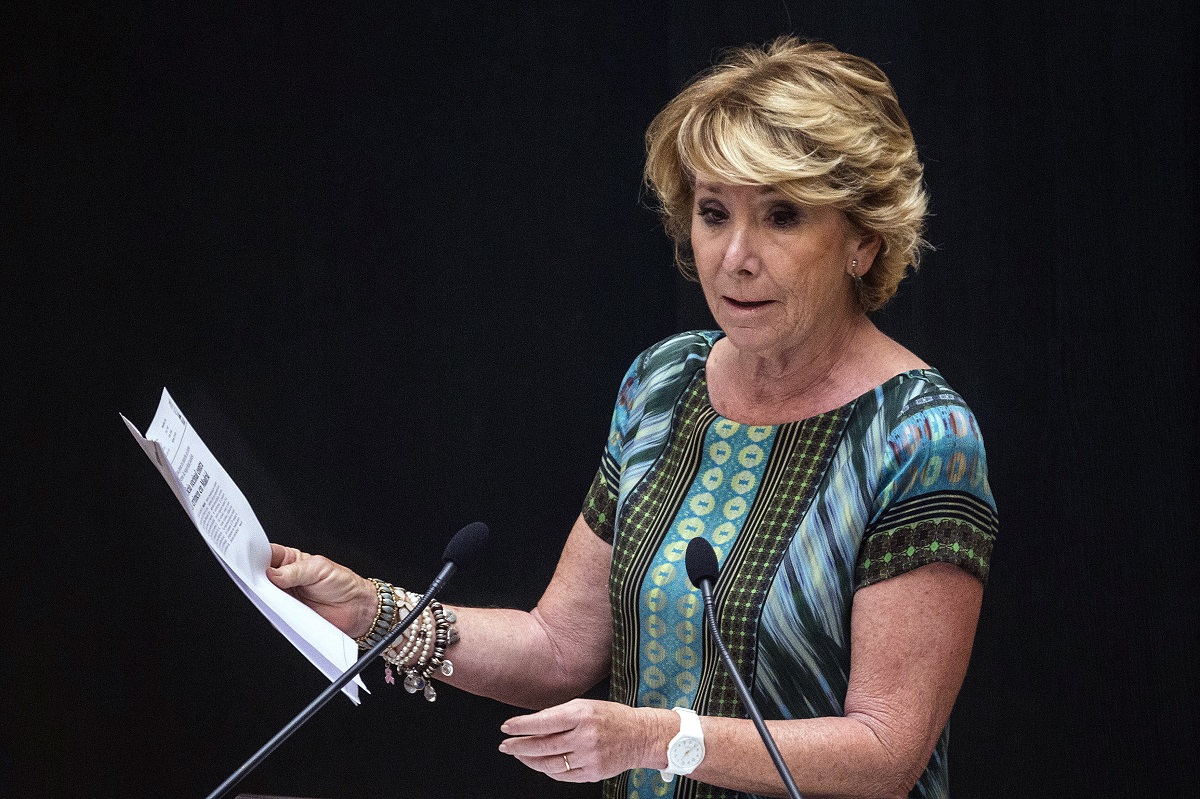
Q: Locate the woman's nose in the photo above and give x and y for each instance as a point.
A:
(741, 250)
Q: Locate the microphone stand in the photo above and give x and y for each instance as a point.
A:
(710, 616)
(337, 685)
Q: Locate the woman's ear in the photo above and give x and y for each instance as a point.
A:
(866, 249)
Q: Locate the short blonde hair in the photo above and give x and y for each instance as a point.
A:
(822, 126)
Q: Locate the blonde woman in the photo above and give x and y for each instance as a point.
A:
(840, 480)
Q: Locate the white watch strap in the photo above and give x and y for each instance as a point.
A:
(689, 722)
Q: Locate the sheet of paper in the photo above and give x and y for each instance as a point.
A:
(226, 521)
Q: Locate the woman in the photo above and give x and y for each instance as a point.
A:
(841, 481)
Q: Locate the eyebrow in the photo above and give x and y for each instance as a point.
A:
(715, 188)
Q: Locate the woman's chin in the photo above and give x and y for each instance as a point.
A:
(753, 339)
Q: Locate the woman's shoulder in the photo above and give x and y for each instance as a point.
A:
(923, 420)
(928, 442)
(653, 384)
(679, 348)
(663, 371)
(915, 390)
(674, 359)
(917, 410)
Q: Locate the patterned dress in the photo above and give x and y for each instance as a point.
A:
(801, 515)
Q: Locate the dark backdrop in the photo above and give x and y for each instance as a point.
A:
(393, 263)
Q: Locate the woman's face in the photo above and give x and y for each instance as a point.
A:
(774, 273)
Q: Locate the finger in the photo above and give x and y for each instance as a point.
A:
(536, 746)
(559, 718)
(297, 569)
(281, 555)
(556, 768)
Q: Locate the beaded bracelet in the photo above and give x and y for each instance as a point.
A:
(433, 652)
(385, 615)
(423, 650)
(399, 654)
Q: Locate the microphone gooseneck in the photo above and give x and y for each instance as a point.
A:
(701, 562)
(462, 550)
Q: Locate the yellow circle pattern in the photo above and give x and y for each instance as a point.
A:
(717, 506)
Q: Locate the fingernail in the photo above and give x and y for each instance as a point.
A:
(503, 748)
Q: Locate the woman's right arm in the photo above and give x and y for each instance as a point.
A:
(532, 659)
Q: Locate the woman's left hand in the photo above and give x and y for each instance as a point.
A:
(597, 739)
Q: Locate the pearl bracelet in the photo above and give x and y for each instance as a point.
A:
(422, 654)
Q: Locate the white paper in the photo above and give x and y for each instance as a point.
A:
(224, 518)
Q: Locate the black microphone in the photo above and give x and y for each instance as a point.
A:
(701, 563)
(462, 550)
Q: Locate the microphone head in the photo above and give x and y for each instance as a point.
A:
(466, 544)
(701, 561)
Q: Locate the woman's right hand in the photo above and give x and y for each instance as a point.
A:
(342, 597)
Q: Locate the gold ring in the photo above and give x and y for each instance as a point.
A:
(568, 762)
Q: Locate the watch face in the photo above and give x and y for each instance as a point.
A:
(686, 753)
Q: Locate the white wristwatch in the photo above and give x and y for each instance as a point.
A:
(686, 749)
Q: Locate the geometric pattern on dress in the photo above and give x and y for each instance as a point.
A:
(799, 460)
(801, 456)
(640, 528)
(600, 507)
(734, 458)
(940, 527)
(911, 434)
(794, 468)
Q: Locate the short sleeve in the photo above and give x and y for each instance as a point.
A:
(600, 508)
(935, 504)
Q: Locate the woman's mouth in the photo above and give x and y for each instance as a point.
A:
(747, 305)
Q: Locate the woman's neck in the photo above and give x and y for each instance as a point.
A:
(804, 382)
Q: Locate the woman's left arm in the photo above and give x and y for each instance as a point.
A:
(911, 641)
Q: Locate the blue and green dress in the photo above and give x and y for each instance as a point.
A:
(801, 515)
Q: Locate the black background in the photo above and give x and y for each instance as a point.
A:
(392, 264)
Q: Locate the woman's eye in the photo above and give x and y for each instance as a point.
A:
(784, 216)
(710, 213)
